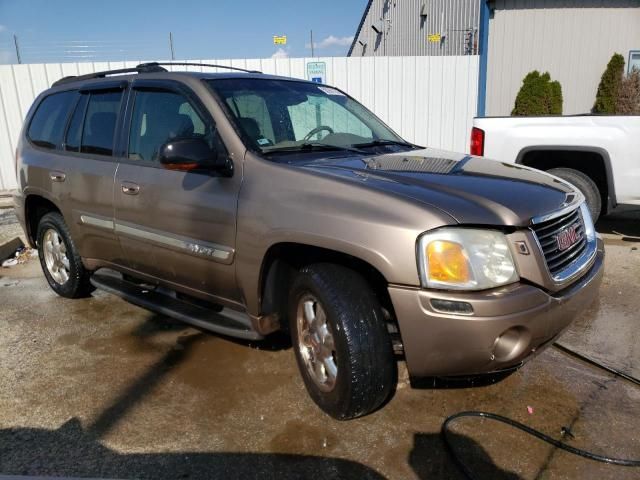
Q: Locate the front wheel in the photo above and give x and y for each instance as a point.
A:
(341, 342)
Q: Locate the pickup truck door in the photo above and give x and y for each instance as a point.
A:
(178, 227)
(625, 160)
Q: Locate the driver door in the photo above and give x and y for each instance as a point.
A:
(175, 226)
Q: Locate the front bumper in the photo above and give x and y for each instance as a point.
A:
(509, 325)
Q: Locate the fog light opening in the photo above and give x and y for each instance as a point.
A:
(511, 344)
(451, 306)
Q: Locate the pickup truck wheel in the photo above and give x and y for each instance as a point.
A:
(341, 342)
(583, 183)
(60, 260)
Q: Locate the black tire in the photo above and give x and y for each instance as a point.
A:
(366, 368)
(77, 285)
(583, 183)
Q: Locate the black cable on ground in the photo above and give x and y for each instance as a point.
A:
(590, 361)
(444, 431)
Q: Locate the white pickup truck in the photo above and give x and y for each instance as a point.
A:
(600, 155)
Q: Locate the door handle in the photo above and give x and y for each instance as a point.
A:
(129, 188)
(57, 176)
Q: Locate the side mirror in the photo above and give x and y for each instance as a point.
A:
(191, 154)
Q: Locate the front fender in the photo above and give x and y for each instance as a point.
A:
(279, 203)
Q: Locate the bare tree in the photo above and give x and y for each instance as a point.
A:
(628, 102)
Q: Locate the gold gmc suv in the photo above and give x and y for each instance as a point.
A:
(244, 203)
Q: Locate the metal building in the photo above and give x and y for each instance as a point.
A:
(571, 39)
(417, 27)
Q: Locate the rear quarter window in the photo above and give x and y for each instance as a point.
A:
(47, 125)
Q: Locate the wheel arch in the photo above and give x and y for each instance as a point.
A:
(283, 259)
(567, 156)
(36, 205)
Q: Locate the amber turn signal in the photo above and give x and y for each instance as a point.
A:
(447, 262)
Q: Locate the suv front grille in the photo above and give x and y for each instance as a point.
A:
(547, 233)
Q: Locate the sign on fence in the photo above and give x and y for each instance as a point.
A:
(317, 72)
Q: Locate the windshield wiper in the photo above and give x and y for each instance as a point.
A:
(378, 142)
(311, 146)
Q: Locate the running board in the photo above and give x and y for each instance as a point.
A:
(227, 322)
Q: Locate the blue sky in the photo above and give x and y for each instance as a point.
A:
(79, 30)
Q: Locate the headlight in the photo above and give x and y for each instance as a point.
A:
(465, 259)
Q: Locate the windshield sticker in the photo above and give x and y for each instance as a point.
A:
(263, 141)
(331, 91)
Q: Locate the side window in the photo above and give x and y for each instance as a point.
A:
(634, 61)
(161, 116)
(74, 133)
(253, 116)
(47, 125)
(198, 124)
(100, 122)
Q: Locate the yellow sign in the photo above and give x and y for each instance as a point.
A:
(434, 38)
(280, 40)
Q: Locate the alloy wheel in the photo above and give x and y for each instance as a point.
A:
(316, 343)
(55, 256)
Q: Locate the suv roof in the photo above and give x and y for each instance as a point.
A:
(157, 70)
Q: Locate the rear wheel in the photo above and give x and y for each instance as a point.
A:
(341, 342)
(60, 259)
(583, 183)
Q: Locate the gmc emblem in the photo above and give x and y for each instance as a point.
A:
(568, 237)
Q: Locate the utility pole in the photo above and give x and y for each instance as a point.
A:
(312, 44)
(15, 41)
(173, 57)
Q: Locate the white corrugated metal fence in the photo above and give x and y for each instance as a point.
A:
(428, 100)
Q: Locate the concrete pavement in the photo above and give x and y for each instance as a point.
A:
(100, 388)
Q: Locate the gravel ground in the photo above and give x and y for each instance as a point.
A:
(100, 388)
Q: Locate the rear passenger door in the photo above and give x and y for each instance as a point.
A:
(85, 174)
(176, 226)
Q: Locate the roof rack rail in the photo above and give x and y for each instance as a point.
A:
(194, 64)
(149, 67)
(142, 68)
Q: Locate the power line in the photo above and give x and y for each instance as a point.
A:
(85, 43)
(39, 51)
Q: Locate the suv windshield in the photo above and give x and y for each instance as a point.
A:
(278, 116)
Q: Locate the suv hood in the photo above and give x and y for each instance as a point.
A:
(472, 190)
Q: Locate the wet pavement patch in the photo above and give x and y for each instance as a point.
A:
(100, 388)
